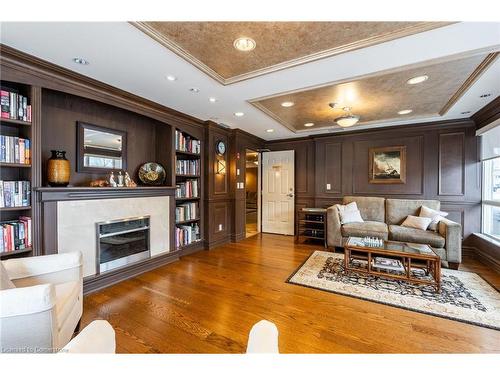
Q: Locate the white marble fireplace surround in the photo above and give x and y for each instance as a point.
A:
(76, 224)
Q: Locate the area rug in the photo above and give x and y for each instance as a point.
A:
(464, 297)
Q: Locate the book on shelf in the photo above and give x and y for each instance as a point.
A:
(187, 167)
(14, 106)
(15, 234)
(15, 193)
(186, 143)
(15, 150)
(186, 234)
(187, 189)
(186, 211)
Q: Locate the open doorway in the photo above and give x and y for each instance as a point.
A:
(252, 184)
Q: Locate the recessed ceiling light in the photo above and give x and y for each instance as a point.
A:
(171, 78)
(465, 113)
(244, 44)
(484, 95)
(269, 130)
(418, 79)
(81, 61)
(405, 111)
(239, 114)
(309, 124)
(287, 104)
(212, 100)
(194, 89)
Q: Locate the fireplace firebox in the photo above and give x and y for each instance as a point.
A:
(122, 242)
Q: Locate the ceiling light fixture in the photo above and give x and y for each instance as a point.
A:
(309, 124)
(244, 44)
(270, 130)
(81, 61)
(212, 100)
(405, 111)
(348, 119)
(418, 79)
(287, 104)
(194, 90)
(239, 114)
(171, 78)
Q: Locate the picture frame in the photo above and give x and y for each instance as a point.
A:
(387, 165)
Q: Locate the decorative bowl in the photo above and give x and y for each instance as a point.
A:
(152, 174)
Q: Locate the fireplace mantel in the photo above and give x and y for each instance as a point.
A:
(54, 194)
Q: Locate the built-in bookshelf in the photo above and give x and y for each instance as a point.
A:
(188, 190)
(16, 233)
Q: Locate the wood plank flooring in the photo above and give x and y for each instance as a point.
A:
(207, 302)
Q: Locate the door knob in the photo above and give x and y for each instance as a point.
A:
(290, 195)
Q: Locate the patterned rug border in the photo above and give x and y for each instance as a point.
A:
(386, 303)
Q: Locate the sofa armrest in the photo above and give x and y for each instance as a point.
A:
(452, 232)
(26, 301)
(263, 338)
(333, 229)
(38, 270)
(97, 337)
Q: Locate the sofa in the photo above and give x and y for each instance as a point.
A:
(383, 218)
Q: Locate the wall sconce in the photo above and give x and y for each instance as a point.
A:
(221, 167)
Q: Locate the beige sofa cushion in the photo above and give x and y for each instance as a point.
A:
(398, 209)
(371, 208)
(368, 228)
(404, 234)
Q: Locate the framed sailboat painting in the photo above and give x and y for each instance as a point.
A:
(387, 165)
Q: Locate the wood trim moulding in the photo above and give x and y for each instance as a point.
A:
(377, 39)
(54, 77)
(94, 283)
(480, 69)
(46, 194)
(488, 114)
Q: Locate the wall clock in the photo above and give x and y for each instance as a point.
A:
(220, 148)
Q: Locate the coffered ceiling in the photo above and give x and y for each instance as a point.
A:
(279, 45)
(378, 97)
(366, 65)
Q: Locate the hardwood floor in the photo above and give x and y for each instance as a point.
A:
(207, 302)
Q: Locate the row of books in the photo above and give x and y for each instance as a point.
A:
(190, 167)
(186, 143)
(188, 189)
(15, 235)
(14, 105)
(186, 234)
(15, 193)
(186, 211)
(15, 150)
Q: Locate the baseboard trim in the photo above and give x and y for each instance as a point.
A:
(92, 284)
(193, 249)
(488, 260)
(238, 237)
(216, 243)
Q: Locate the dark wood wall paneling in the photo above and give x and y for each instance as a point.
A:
(442, 163)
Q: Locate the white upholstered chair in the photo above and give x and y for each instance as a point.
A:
(41, 302)
(263, 338)
(97, 337)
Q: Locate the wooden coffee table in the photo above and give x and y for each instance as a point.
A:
(411, 256)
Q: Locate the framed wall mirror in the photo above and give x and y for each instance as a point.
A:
(100, 149)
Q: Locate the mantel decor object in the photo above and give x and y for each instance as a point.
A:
(58, 169)
(152, 174)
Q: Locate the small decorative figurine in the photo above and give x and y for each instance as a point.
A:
(120, 179)
(128, 181)
(112, 181)
(99, 183)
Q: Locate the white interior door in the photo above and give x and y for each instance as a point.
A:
(278, 201)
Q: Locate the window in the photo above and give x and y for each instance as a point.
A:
(490, 155)
(491, 197)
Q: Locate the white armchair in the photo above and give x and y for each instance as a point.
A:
(97, 337)
(41, 302)
(263, 338)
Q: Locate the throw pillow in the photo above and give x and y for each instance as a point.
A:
(434, 215)
(5, 282)
(351, 216)
(347, 207)
(416, 222)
